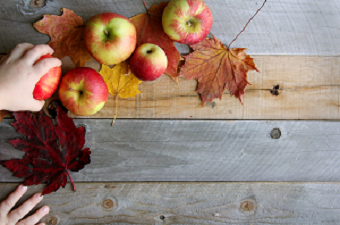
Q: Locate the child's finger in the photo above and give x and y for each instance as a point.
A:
(44, 66)
(17, 214)
(20, 50)
(35, 217)
(9, 203)
(35, 53)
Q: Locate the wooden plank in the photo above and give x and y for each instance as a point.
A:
(179, 150)
(283, 27)
(190, 203)
(308, 89)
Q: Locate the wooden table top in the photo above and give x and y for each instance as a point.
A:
(238, 172)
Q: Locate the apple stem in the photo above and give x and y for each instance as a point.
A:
(145, 7)
(75, 91)
(69, 176)
(247, 23)
(105, 32)
(188, 23)
(115, 116)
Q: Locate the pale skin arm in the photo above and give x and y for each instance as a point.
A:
(19, 74)
(12, 217)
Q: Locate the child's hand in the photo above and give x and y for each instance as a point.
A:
(18, 76)
(9, 217)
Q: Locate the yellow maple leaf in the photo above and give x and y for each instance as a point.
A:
(120, 82)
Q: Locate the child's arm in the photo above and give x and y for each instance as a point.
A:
(12, 217)
(18, 76)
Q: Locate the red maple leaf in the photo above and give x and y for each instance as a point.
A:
(51, 151)
(150, 30)
(218, 68)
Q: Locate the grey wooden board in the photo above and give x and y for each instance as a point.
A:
(190, 203)
(180, 150)
(304, 27)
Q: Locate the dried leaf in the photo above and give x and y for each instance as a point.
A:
(217, 68)
(120, 80)
(51, 151)
(3, 113)
(66, 32)
(150, 30)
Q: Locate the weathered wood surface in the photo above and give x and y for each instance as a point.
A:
(160, 150)
(190, 203)
(307, 27)
(308, 89)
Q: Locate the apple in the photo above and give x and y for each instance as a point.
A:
(110, 38)
(187, 21)
(148, 62)
(83, 91)
(48, 83)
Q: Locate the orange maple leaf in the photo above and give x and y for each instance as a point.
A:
(218, 68)
(150, 30)
(66, 32)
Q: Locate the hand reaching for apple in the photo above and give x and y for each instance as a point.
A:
(19, 75)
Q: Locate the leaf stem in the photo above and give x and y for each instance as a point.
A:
(69, 176)
(115, 116)
(145, 6)
(247, 23)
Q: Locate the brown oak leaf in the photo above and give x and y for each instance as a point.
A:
(150, 30)
(66, 32)
(218, 68)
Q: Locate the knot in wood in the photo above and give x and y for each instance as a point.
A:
(276, 133)
(37, 3)
(108, 204)
(51, 220)
(247, 206)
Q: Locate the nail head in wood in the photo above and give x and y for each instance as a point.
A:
(275, 90)
(276, 133)
(162, 217)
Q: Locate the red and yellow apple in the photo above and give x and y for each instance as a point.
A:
(83, 91)
(110, 38)
(48, 83)
(148, 62)
(187, 21)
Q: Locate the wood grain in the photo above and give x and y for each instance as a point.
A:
(179, 150)
(282, 27)
(190, 203)
(308, 89)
